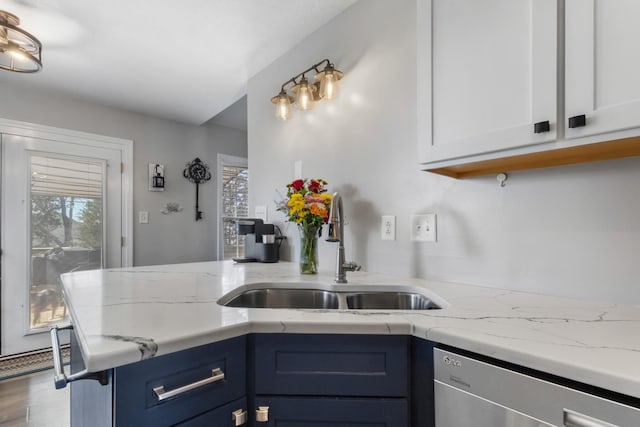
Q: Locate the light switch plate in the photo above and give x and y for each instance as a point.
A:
(261, 213)
(143, 217)
(423, 227)
(388, 227)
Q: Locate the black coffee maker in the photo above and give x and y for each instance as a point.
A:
(261, 244)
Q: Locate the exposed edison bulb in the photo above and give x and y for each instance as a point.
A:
(329, 79)
(304, 94)
(283, 109)
(282, 102)
(305, 98)
(329, 86)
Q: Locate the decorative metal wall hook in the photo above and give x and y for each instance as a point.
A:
(502, 178)
(197, 172)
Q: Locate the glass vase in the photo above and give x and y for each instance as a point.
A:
(309, 250)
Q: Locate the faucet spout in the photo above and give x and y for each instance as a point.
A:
(336, 234)
(336, 219)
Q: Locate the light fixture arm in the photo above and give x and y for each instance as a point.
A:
(294, 79)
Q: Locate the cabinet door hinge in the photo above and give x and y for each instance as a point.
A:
(121, 167)
(122, 241)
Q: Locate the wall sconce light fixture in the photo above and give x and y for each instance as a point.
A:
(156, 177)
(325, 86)
(19, 51)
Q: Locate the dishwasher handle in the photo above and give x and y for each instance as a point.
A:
(60, 378)
(575, 419)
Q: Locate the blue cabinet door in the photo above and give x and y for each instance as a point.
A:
(334, 412)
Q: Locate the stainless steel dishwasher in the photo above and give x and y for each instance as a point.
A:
(472, 393)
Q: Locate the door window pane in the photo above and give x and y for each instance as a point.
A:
(235, 204)
(66, 228)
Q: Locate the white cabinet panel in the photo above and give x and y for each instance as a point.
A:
(490, 75)
(602, 65)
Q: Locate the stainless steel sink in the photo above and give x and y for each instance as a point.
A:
(302, 295)
(389, 301)
(285, 298)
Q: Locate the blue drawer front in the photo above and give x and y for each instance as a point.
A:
(134, 399)
(219, 417)
(337, 412)
(331, 365)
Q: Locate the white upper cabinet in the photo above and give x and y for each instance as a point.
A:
(487, 75)
(602, 66)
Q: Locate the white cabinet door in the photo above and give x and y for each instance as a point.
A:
(486, 75)
(602, 65)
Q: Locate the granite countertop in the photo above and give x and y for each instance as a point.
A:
(126, 315)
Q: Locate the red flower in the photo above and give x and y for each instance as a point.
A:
(297, 184)
(315, 186)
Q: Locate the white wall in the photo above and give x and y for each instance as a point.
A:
(567, 231)
(166, 239)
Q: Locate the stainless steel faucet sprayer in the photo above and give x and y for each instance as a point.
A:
(336, 234)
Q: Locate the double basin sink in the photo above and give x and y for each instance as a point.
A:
(331, 297)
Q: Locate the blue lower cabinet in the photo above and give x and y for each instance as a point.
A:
(282, 380)
(335, 412)
(166, 390)
(230, 415)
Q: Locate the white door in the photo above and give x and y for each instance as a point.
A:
(61, 211)
(486, 75)
(602, 66)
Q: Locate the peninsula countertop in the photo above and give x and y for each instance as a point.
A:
(121, 316)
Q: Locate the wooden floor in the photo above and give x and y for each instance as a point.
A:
(32, 400)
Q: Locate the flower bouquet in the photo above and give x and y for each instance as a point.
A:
(307, 204)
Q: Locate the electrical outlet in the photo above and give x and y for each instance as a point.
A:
(143, 217)
(388, 227)
(423, 228)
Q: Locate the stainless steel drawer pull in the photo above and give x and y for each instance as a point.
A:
(239, 417)
(262, 414)
(161, 394)
(574, 419)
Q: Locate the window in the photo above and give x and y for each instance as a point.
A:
(233, 202)
(66, 227)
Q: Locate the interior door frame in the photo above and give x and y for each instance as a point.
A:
(123, 146)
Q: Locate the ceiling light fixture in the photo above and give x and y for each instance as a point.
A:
(19, 51)
(326, 86)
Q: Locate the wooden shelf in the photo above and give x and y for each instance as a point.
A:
(628, 147)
